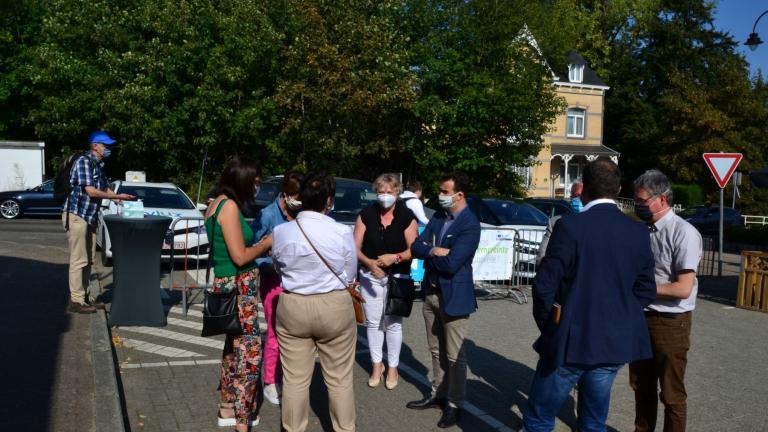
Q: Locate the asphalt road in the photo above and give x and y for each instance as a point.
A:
(726, 375)
(46, 362)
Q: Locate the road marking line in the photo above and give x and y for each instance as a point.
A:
(169, 364)
(167, 334)
(467, 406)
(185, 323)
(148, 347)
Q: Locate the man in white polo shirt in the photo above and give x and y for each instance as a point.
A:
(676, 246)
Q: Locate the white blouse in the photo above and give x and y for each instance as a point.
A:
(301, 269)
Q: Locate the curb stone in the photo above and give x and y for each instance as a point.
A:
(109, 414)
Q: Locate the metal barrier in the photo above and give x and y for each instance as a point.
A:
(188, 235)
(755, 220)
(708, 262)
(505, 262)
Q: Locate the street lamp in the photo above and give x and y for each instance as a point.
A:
(754, 40)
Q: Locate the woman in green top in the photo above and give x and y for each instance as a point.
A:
(235, 269)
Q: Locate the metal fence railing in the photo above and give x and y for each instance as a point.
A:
(504, 265)
(505, 262)
(708, 263)
(188, 246)
(755, 220)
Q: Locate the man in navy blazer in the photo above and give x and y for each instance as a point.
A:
(588, 299)
(447, 245)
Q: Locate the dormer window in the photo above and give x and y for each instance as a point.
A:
(575, 73)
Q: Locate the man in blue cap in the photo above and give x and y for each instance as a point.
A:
(89, 187)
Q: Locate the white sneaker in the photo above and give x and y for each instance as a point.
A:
(271, 394)
(226, 422)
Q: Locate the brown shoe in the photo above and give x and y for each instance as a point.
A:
(81, 308)
(96, 304)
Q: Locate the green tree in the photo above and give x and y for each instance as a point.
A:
(344, 86)
(168, 78)
(485, 97)
(20, 24)
(678, 87)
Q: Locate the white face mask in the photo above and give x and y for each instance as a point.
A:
(446, 201)
(292, 203)
(386, 200)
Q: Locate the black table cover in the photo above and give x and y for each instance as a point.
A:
(136, 247)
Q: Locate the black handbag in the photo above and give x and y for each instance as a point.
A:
(400, 295)
(221, 314)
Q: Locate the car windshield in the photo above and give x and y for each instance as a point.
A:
(155, 197)
(510, 213)
(352, 196)
(268, 191)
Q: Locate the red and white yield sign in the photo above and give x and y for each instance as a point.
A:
(722, 166)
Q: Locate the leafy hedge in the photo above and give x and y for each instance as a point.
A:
(688, 195)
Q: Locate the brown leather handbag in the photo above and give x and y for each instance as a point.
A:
(357, 298)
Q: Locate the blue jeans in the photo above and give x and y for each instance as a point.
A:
(550, 389)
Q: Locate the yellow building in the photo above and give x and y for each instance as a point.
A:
(576, 136)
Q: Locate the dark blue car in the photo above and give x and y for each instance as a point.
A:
(35, 201)
(707, 219)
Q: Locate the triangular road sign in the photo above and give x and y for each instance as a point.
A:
(722, 166)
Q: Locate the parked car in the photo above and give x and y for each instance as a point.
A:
(351, 197)
(35, 201)
(707, 219)
(551, 206)
(160, 199)
(501, 213)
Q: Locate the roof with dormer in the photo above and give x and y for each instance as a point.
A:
(589, 76)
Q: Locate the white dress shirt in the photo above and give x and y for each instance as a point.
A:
(301, 269)
(416, 206)
(676, 246)
(596, 202)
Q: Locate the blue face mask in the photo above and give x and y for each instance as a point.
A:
(105, 154)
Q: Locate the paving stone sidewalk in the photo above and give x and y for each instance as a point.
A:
(169, 375)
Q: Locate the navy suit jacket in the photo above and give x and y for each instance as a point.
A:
(600, 268)
(454, 272)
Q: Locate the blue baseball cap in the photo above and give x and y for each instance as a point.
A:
(101, 137)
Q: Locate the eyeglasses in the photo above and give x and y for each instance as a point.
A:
(645, 201)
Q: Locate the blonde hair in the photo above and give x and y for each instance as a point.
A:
(391, 179)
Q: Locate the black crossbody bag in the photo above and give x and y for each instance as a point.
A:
(221, 314)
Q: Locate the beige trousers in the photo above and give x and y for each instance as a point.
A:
(82, 248)
(445, 337)
(324, 322)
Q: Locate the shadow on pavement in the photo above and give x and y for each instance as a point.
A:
(406, 358)
(504, 390)
(33, 316)
(719, 289)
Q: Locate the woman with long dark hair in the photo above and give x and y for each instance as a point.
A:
(235, 269)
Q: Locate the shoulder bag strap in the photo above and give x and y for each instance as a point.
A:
(319, 255)
(210, 240)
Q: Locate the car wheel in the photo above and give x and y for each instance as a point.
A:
(105, 260)
(10, 209)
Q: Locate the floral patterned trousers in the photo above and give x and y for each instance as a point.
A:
(241, 358)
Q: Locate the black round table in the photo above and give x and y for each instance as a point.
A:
(136, 247)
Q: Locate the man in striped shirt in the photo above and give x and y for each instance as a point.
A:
(89, 187)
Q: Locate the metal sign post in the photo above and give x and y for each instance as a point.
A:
(722, 166)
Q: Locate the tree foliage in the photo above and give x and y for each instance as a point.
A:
(359, 87)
